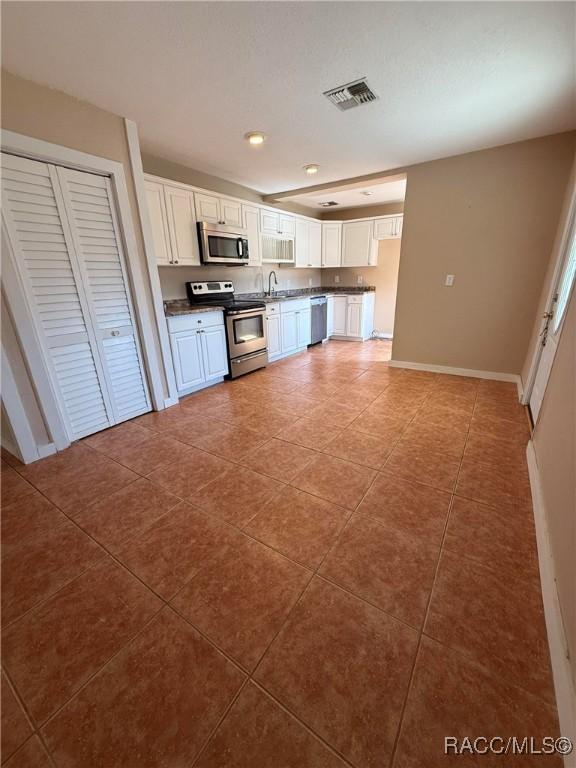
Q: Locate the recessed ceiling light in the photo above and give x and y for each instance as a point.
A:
(255, 138)
(311, 169)
(367, 192)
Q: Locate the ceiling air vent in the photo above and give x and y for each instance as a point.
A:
(351, 95)
(328, 204)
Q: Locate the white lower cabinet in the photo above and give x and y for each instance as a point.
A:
(198, 343)
(288, 327)
(353, 317)
(273, 332)
(329, 315)
(339, 322)
(289, 324)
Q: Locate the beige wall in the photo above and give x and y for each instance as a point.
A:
(555, 446)
(541, 307)
(53, 116)
(490, 219)
(361, 212)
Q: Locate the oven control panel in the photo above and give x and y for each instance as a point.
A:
(214, 287)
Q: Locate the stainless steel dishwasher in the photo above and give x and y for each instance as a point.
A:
(319, 319)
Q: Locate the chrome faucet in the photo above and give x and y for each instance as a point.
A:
(270, 289)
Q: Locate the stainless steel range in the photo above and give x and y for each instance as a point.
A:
(245, 324)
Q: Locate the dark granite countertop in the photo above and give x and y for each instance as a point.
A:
(175, 307)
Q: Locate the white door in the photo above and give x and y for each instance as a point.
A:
(274, 341)
(340, 315)
(315, 243)
(230, 212)
(330, 316)
(301, 243)
(357, 242)
(182, 226)
(187, 356)
(63, 228)
(287, 225)
(214, 355)
(158, 222)
(207, 208)
(554, 317)
(385, 229)
(303, 322)
(331, 244)
(251, 225)
(354, 320)
(289, 331)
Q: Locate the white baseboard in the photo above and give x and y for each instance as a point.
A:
(46, 450)
(494, 375)
(169, 401)
(562, 673)
(381, 335)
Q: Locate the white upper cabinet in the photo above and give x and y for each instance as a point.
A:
(182, 226)
(158, 222)
(308, 243)
(315, 243)
(218, 210)
(251, 223)
(359, 248)
(276, 223)
(173, 222)
(388, 228)
(331, 244)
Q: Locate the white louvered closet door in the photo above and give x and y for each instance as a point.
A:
(90, 381)
(92, 220)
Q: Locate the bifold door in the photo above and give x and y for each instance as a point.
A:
(64, 234)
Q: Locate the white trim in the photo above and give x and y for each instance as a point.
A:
(561, 671)
(561, 254)
(493, 375)
(170, 401)
(148, 240)
(16, 414)
(382, 335)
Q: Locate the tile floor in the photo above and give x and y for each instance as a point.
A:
(327, 563)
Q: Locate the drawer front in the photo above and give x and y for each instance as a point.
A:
(195, 320)
(355, 299)
(272, 309)
(295, 305)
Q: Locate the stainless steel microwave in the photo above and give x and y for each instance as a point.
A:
(220, 244)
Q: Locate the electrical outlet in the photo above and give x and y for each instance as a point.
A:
(360, 279)
(449, 282)
(309, 282)
(336, 278)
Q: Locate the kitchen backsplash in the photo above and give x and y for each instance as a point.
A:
(246, 279)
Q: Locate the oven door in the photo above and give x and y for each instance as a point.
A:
(246, 332)
(219, 247)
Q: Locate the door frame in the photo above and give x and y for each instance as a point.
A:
(43, 151)
(569, 224)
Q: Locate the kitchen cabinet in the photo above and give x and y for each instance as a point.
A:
(308, 243)
(289, 327)
(303, 327)
(277, 223)
(218, 210)
(388, 228)
(251, 222)
(359, 248)
(354, 316)
(273, 331)
(353, 319)
(329, 315)
(339, 316)
(331, 244)
(199, 353)
(173, 223)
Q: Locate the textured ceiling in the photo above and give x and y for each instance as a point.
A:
(452, 77)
